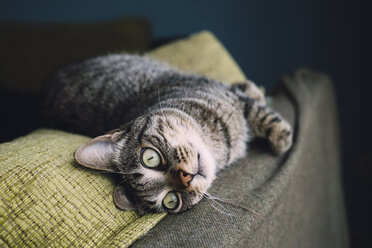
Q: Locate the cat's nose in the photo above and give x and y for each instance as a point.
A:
(185, 177)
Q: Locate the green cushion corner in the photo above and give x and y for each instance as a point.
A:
(201, 53)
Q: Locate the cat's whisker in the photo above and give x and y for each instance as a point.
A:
(210, 197)
(182, 107)
(221, 211)
(113, 172)
(161, 107)
(216, 199)
(123, 173)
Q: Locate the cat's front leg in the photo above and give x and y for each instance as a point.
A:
(264, 122)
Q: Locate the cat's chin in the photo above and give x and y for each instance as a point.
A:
(207, 165)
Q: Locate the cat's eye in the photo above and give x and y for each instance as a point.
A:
(150, 158)
(171, 201)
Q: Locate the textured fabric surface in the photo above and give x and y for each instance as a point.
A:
(293, 200)
(29, 53)
(46, 199)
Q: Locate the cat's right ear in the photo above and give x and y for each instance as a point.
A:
(98, 153)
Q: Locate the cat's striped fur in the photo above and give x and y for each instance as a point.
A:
(197, 125)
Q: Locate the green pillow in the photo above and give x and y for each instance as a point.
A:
(201, 53)
(47, 199)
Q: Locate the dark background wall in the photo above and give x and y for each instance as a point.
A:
(268, 39)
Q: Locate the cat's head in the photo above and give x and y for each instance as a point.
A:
(163, 160)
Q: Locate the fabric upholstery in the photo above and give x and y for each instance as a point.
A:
(294, 200)
(46, 199)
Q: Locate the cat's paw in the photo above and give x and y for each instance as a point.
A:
(280, 137)
(251, 89)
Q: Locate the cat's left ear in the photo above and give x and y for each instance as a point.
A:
(121, 200)
(98, 153)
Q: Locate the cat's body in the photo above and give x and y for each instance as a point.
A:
(190, 125)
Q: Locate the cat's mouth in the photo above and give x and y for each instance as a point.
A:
(187, 178)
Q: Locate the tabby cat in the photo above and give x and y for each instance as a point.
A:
(165, 132)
